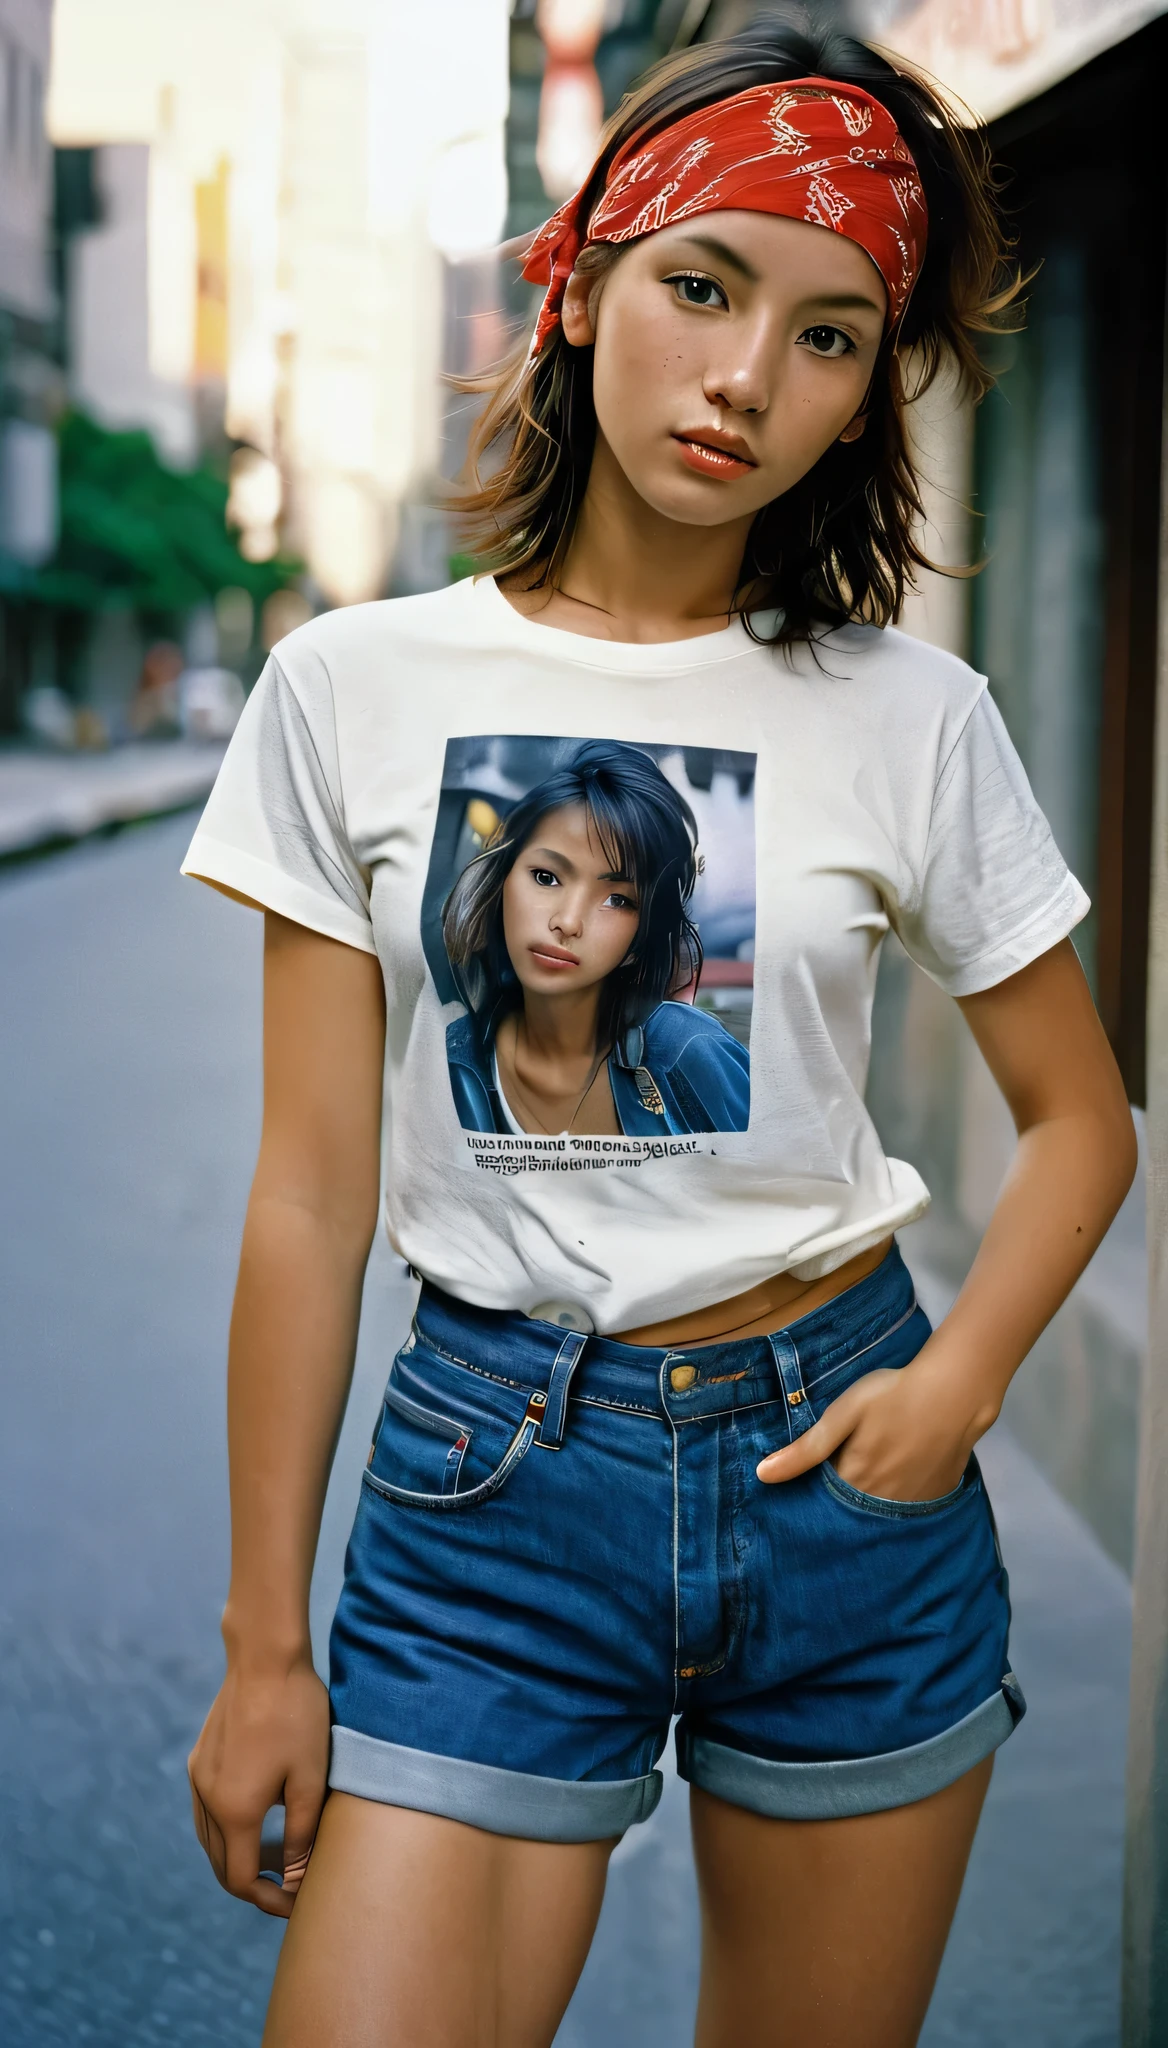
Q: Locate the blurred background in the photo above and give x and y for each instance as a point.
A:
(240, 242)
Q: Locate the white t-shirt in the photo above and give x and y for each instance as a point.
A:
(831, 793)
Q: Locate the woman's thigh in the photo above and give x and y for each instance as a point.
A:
(411, 1931)
(827, 1934)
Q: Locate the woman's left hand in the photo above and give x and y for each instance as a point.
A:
(901, 1435)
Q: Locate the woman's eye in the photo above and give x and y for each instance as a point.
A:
(697, 291)
(828, 341)
(544, 878)
(616, 902)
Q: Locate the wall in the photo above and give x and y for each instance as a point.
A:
(25, 161)
(1075, 1403)
(111, 375)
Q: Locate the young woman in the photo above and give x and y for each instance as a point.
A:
(567, 936)
(670, 1436)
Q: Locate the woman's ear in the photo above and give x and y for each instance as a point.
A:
(855, 427)
(576, 312)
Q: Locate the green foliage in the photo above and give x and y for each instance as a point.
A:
(135, 533)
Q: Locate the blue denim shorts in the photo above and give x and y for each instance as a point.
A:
(561, 1545)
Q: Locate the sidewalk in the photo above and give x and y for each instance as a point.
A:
(46, 798)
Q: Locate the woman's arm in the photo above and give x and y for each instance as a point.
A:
(310, 1223)
(907, 1435)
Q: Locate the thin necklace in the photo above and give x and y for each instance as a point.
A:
(525, 1101)
(558, 590)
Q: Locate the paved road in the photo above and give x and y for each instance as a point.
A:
(128, 1120)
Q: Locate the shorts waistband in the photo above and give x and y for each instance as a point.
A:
(524, 1350)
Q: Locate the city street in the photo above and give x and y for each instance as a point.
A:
(129, 1012)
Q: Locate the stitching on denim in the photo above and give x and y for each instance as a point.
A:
(896, 1510)
(676, 1559)
(790, 1396)
(403, 1497)
(559, 1388)
(704, 1670)
(864, 1348)
(439, 1349)
(480, 1371)
(457, 1474)
(403, 1404)
(620, 1407)
(735, 1408)
(636, 1408)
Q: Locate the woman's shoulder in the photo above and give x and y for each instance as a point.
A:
(357, 635)
(899, 699)
(896, 664)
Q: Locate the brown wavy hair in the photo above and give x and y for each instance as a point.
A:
(844, 542)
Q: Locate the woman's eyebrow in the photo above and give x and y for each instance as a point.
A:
(725, 254)
(553, 858)
(844, 302)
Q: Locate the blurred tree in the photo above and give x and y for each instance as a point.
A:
(137, 534)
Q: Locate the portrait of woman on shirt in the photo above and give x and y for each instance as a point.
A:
(570, 938)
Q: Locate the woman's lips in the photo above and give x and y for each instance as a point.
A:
(553, 956)
(711, 461)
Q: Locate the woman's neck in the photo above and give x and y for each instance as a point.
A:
(632, 574)
(552, 1073)
(556, 1030)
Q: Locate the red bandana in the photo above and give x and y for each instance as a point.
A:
(811, 150)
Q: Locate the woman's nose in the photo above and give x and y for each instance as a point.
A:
(741, 384)
(566, 917)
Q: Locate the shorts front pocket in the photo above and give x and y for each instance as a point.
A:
(447, 1437)
(967, 1486)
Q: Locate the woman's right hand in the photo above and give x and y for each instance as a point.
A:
(264, 1743)
(310, 1222)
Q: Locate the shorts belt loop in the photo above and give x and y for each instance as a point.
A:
(551, 1429)
(799, 1415)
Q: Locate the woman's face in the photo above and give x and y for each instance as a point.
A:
(568, 920)
(730, 352)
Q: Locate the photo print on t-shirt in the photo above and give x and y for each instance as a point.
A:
(590, 909)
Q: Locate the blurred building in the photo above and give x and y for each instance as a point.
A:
(298, 175)
(30, 376)
(105, 271)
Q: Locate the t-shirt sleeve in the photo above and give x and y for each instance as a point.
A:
(992, 891)
(274, 828)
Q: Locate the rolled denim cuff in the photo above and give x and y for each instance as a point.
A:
(868, 1784)
(483, 1796)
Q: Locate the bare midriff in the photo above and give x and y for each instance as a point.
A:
(769, 1306)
